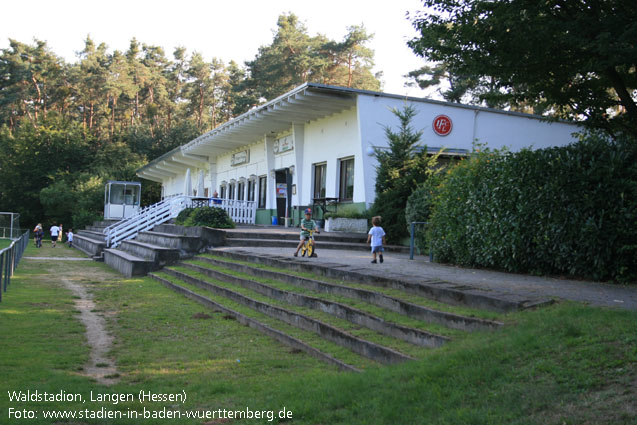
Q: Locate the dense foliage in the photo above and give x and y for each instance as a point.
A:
(569, 210)
(400, 169)
(205, 216)
(66, 128)
(569, 58)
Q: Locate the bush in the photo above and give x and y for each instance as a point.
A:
(568, 210)
(205, 216)
(419, 208)
(348, 212)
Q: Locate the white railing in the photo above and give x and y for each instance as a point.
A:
(240, 211)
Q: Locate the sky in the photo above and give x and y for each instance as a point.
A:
(228, 29)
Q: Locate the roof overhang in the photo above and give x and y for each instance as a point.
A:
(306, 103)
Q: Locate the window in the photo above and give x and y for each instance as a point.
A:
(319, 180)
(241, 191)
(263, 182)
(231, 191)
(223, 192)
(346, 183)
(251, 184)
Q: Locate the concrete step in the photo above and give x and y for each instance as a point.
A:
(88, 245)
(363, 347)
(157, 254)
(343, 311)
(320, 244)
(127, 264)
(189, 244)
(253, 323)
(445, 292)
(99, 236)
(331, 237)
(408, 309)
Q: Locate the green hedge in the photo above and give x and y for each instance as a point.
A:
(570, 210)
(205, 216)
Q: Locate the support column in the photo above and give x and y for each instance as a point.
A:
(298, 132)
(270, 200)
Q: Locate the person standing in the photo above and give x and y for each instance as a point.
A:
(55, 232)
(376, 236)
(69, 238)
(60, 234)
(39, 233)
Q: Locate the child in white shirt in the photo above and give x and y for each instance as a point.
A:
(376, 236)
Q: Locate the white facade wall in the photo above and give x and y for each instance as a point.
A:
(329, 140)
(490, 128)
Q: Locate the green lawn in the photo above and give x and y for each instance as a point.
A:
(565, 364)
(5, 243)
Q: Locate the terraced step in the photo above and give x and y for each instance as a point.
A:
(260, 325)
(419, 312)
(159, 255)
(170, 240)
(445, 292)
(88, 245)
(127, 264)
(294, 236)
(343, 311)
(99, 236)
(320, 243)
(369, 349)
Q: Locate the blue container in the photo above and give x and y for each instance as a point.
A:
(275, 221)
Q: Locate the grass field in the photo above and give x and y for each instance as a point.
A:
(5, 243)
(565, 364)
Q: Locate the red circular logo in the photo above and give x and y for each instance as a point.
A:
(442, 125)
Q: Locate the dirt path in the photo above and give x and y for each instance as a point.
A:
(100, 366)
(67, 268)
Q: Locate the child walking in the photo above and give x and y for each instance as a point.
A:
(376, 236)
(69, 238)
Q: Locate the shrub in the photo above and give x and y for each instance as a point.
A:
(205, 216)
(568, 210)
(419, 207)
(348, 212)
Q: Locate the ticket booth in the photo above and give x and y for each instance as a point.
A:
(121, 199)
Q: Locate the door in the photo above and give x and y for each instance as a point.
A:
(283, 181)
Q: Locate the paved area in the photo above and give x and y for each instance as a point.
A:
(594, 293)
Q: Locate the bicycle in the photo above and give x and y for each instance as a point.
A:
(308, 246)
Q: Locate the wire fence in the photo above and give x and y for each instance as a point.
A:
(9, 259)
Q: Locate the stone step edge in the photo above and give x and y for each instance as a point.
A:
(342, 311)
(321, 244)
(255, 324)
(371, 350)
(414, 311)
(445, 292)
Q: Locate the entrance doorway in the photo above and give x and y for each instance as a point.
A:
(283, 180)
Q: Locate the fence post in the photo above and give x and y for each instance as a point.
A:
(1, 274)
(412, 230)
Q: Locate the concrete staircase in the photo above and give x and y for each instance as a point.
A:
(346, 319)
(289, 237)
(166, 244)
(92, 240)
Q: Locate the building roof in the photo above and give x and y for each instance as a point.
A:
(308, 102)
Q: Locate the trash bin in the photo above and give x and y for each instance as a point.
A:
(275, 221)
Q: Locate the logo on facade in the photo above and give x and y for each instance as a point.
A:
(442, 125)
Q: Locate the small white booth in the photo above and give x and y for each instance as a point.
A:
(121, 199)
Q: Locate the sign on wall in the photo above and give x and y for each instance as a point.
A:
(283, 144)
(442, 125)
(239, 158)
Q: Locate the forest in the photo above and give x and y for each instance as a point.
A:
(66, 128)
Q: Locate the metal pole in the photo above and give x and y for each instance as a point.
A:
(411, 240)
(1, 261)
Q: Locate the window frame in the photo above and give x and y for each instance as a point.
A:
(343, 176)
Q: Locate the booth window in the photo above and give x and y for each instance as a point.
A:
(319, 180)
(263, 182)
(223, 192)
(241, 191)
(346, 180)
(231, 188)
